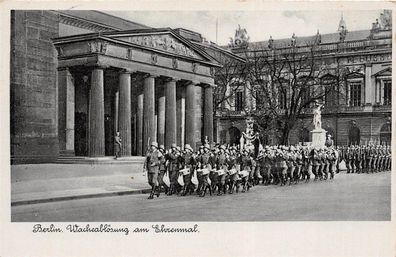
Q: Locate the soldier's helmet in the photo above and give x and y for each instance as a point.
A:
(155, 144)
(188, 147)
(162, 147)
(173, 146)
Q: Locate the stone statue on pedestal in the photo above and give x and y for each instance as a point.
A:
(247, 138)
(317, 118)
(318, 134)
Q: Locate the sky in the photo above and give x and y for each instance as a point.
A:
(260, 25)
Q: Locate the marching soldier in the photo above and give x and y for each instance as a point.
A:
(213, 176)
(316, 163)
(221, 171)
(298, 164)
(198, 167)
(246, 164)
(162, 170)
(173, 168)
(326, 163)
(232, 170)
(204, 163)
(188, 161)
(348, 159)
(290, 162)
(151, 165)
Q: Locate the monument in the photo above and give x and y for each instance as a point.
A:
(318, 135)
(248, 137)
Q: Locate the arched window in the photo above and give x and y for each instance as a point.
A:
(235, 135)
(354, 134)
(386, 134)
(328, 82)
(304, 135)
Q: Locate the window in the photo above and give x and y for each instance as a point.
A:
(329, 82)
(239, 101)
(282, 100)
(305, 95)
(356, 93)
(386, 134)
(387, 92)
(354, 135)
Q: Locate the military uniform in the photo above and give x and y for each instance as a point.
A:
(221, 178)
(173, 169)
(204, 161)
(162, 170)
(188, 162)
(151, 164)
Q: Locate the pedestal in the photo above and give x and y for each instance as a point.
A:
(318, 137)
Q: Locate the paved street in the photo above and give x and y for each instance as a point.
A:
(348, 197)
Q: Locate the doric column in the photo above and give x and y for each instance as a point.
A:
(139, 125)
(161, 119)
(66, 106)
(190, 114)
(96, 137)
(181, 115)
(124, 121)
(116, 108)
(170, 112)
(149, 129)
(208, 113)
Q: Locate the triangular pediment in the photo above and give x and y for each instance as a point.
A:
(167, 42)
(386, 72)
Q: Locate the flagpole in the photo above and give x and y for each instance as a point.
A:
(217, 25)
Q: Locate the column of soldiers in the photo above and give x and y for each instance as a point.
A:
(220, 169)
(366, 158)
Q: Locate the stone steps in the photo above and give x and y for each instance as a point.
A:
(99, 160)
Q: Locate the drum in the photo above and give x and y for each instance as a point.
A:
(185, 171)
(244, 173)
(166, 179)
(205, 171)
(220, 172)
(194, 179)
(232, 171)
(180, 179)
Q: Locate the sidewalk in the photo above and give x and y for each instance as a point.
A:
(38, 183)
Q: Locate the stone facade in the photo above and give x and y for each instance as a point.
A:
(362, 112)
(71, 91)
(33, 79)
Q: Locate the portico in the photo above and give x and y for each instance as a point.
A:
(150, 85)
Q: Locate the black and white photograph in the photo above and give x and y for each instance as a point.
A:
(221, 116)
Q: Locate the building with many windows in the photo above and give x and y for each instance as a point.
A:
(362, 115)
(77, 77)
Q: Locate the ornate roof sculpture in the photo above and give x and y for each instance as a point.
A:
(241, 39)
(386, 19)
(342, 24)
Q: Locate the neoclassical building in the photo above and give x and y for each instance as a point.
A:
(362, 116)
(78, 77)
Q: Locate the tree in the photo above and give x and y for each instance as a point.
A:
(286, 82)
(229, 79)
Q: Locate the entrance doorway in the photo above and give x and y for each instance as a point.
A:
(235, 135)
